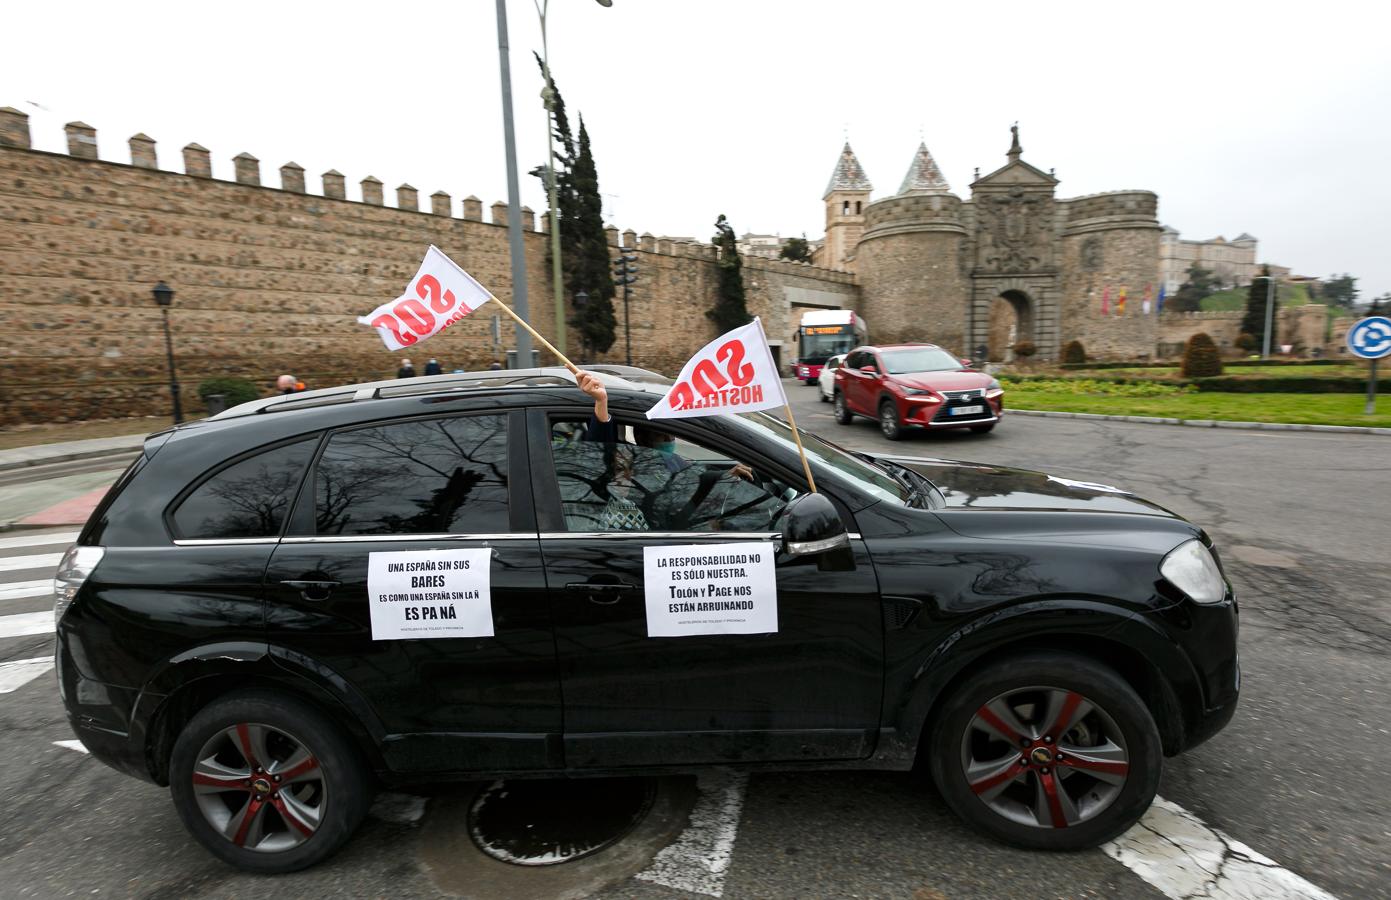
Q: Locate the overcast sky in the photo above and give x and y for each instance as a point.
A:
(1270, 118)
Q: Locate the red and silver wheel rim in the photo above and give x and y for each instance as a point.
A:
(260, 787)
(1044, 757)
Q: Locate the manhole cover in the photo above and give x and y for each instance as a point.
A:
(542, 823)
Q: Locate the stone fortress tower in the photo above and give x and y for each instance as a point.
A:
(1012, 263)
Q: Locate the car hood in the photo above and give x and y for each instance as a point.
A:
(967, 485)
(943, 381)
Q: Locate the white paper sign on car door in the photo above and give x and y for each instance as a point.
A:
(430, 594)
(710, 589)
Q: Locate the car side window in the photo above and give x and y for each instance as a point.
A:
(434, 476)
(248, 499)
(833, 363)
(635, 478)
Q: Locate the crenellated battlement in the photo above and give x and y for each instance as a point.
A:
(1112, 209)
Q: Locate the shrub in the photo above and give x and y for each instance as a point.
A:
(1201, 358)
(1025, 349)
(1074, 353)
(1246, 342)
(235, 390)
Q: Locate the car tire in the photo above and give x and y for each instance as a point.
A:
(889, 424)
(1092, 811)
(288, 829)
(843, 414)
(983, 429)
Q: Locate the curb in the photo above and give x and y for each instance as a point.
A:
(1204, 423)
(11, 465)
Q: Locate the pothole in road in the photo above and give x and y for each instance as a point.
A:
(545, 823)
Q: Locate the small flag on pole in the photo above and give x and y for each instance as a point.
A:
(733, 373)
(1106, 301)
(440, 294)
(1145, 306)
(1120, 303)
(1159, 303)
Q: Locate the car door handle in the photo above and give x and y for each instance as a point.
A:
(313, 591)
(604, 593)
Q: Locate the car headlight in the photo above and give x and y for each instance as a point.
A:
(993, 389)
(1191, 568)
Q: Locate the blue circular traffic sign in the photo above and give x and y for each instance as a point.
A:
(1370, 338)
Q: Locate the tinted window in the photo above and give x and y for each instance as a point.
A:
(920, 359)
(432, 477)
(622, 485)
(247, 499)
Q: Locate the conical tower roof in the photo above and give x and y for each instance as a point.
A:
(924, 177)
(849, 175)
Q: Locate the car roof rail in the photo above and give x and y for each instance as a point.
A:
(394, 388)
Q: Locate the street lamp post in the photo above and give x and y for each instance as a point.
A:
(581, 301)
(1269, 313)
(514, 200)
(164, 296)
(625, 272)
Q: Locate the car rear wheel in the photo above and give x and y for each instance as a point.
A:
(888, 420)
(843, 414)
(1048, 751)
(267, 782)
(822, 394)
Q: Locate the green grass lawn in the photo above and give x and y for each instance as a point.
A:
(1353, 369)
(1303, 409)
(1235, 298)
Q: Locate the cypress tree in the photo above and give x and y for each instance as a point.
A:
(589, 269)
(1253, 323)
(566, 197)
(730, 310)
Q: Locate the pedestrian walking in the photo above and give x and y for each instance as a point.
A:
(406, 371)
(285, 384)
(433, 367)
(494, 366)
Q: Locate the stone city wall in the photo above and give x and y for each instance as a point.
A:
(270, 280)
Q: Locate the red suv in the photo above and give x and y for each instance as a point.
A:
(916, 384)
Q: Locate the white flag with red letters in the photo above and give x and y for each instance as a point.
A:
(440, 294)
(734, 373)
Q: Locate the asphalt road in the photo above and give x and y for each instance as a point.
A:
(1304, 523)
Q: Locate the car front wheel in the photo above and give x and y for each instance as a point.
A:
(889, 424)
(267, 782)
(843, 414)
(1049, 751)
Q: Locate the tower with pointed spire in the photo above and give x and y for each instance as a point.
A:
(846, 196)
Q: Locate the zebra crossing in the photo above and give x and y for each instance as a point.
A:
(27, 564)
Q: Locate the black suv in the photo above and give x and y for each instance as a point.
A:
(265, 613)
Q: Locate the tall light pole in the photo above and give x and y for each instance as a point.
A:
(1269, 313)
(548, 98)
(514, 200)
(164, 296)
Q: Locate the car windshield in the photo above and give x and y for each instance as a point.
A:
(919, 359)
(872, 480)
(820, 346)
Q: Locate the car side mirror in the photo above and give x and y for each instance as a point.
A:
(869, 370)
(967, 364)
(811, 526)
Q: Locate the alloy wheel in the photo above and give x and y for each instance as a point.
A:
(260, 787)
(1044, 757)
(888, 421)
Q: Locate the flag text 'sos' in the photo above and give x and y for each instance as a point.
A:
(439, 295)
(733, 373)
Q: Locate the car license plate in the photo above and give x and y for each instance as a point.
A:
(968, 410)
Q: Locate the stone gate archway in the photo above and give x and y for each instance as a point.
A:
(1010, 319)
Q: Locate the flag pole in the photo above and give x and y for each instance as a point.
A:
(574, 369)
(806, 467)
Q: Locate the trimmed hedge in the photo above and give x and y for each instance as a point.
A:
(1226, 363)
(1234, 384)
(1201, 357)
(1074, 353)
(235, 390)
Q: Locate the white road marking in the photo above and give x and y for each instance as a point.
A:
(71, 745)
(39, 540)
(25, 624)
(699, 858)
(18, 590)
(397, 808)
(1175, 852)
(17, 673)
(39, 561)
